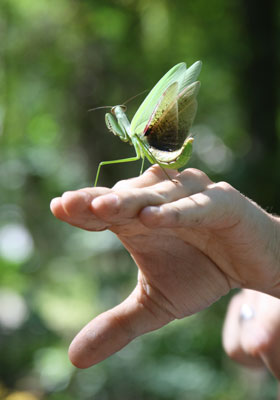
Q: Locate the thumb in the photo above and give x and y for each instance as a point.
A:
(114, 329)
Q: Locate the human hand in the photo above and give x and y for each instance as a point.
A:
(253, 341)
(192, 241)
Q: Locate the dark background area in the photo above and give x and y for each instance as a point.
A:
(58, 59)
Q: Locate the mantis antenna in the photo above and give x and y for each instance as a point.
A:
(127, 101)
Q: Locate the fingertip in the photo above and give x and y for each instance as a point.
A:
(57, 208)
(73, 357)
(74, 354)
(54, 204)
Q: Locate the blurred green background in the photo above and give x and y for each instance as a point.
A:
(58, 59)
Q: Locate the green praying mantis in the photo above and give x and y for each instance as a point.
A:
(160, 129)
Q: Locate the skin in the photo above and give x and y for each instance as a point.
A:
(254, 342)
(192, 240)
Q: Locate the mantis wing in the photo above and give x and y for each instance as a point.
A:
(167, 132)
(187, 107)
(161, 130)
(179, 73)
(190, 76)
(171, 120)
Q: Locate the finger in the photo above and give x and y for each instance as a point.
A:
(207, 208)
(114, 329)
(270, 355)
(75, 208)
(57, 209)
(128, 203)
(150, 177)
(260, 337)
(258, 343)
(232, 335)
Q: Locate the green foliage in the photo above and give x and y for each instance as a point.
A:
(58, 60)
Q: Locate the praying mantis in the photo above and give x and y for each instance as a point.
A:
(160, 128)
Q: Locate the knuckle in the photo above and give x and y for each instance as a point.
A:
(196, 175)
(224, 186)
(229, 197)
(154, 170)
(121, 185)
(194, 172)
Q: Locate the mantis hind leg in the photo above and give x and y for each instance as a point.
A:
(154, 160)
(142, 166)
(122, 160)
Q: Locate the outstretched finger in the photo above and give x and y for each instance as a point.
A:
(232, 334)
(114, 329)
(260, 335)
